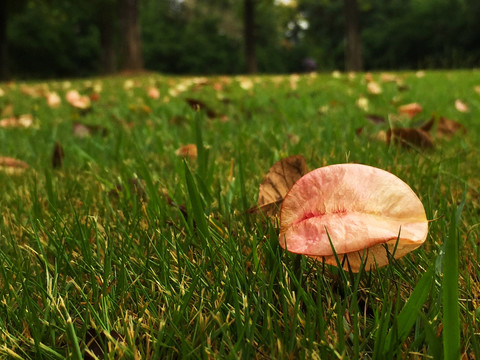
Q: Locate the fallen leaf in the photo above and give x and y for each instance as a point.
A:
(359, 210)
(53, 100)
(153, 92)
(410, 136)
(76, 100)
(57, 156)
(25, 121)
(199, 105)
(376, 119)
(362, 103)
(81, 130)
(461, 106)
(12, 165)
(388, 77)
(276, 184)
(448, 127)
(374, 88)
(187, 151)
(410, 109)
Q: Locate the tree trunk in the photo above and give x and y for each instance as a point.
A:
(106, 28)
(249, 36)
(131, 43)
(3, 41)
(353, 46)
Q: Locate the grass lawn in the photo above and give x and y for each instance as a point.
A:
(125, 249)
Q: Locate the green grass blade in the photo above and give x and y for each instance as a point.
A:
(451, 310)
(196, 203)
(410, 312)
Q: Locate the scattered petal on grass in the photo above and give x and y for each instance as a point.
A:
(76, 100)
(277, 182)
(410, 109)
(362, 103)
(153, 92)
(83, 130)
(12, 166)
(25, 121)
(477, 89)
(336, 74)
(361, 209)
(187, 151)
(388, 77)
(374, 88)
(461, 106)
(53, 100)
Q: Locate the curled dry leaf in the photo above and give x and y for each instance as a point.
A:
(461, 106)
(410, 109)
(25, 121)
(361, 209)
(187, 151)
(277, 182)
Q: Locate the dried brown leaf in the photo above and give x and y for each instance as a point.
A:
(57, 156)
(200, 105)
(410, 109)
(277, 182)
(376, 119)
(448, 127)
(410, 136)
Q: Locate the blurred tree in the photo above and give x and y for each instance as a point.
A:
(130, 39)
(106, 21)
(3, 40)
(249, 36)
(353, 42)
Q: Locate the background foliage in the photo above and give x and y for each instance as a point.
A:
(62, 38)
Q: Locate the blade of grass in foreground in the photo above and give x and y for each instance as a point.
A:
(407, 317)
(196, 202)
(451, 310)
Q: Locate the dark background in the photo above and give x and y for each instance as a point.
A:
(71, 38)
